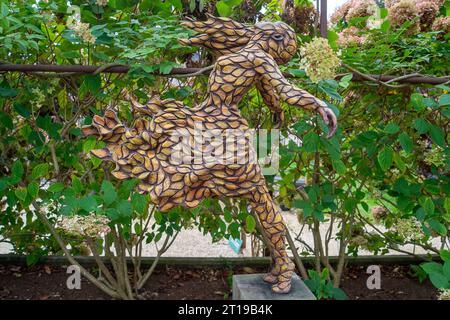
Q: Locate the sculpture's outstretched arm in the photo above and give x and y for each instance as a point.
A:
(270, 73)
(271, 99)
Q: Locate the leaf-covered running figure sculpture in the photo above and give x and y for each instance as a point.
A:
(169, 170)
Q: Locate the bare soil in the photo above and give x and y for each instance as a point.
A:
(176, 283)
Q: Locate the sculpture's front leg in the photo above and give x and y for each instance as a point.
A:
(272, 223)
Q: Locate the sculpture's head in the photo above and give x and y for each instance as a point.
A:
(224, 36)
(277, 39)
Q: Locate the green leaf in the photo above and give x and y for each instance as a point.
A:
(339, 166)
(22, 110)
(439, 280)
(345, 80)
(438, 227)
(21, 193)
(76, 184)
(89, 144)
(223, 9)
(446, 269)
(227, 215)
(158, 217)
(165, 67)
(399, 162)
(138, 229)
(437, 135)
(421, 125)
(17, 169)
(311, 142)
(385, 158)
(92, 84)
(385, 25)
(428, 206)
(392, 128)
(33, 189)
(332, 38)
(444, 100)
(88, 204)
(139, 203)
(445, 255)
(6, 120)
(250, 223)
(109, 194)
(56, 187)
(177, 4)
(430, 267)
(338, 294)
(39, 171)
(406, 142)
(8, 92)
(417, 101)
(305, 205)
(125, 209)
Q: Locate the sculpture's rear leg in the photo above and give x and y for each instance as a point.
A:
(274, 228)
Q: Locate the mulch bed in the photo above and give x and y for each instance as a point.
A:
(45, 282)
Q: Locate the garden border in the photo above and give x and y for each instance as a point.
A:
(198, 262)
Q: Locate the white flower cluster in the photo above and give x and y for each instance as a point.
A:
(359, 241)
(92, 226)
(39, 98)
(102, 3)
(444, 294)
(409, 229)
(350, 37)
(319, 61)
(81, 29)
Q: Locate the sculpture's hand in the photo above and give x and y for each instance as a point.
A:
(330, 120)
(278, 119)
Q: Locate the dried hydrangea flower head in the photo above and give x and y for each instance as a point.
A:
(428, 10)
(351, 37)
(442, 24)
(409, 229)
(359, 241)
(379, 212)
(302, 17)
(92, 225)
(341, 12)
(101, 3)
(319, 60)
(444, 294)
(390, 3)
(362, 8)
(354, 9)
(81, 29)
(404, 11)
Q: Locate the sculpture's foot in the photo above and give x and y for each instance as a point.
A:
(270, 278)
(283, 280)
(282, 287)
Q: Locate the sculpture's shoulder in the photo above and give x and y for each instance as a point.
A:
(241, 59)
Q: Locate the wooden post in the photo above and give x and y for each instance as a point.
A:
(323, 18)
